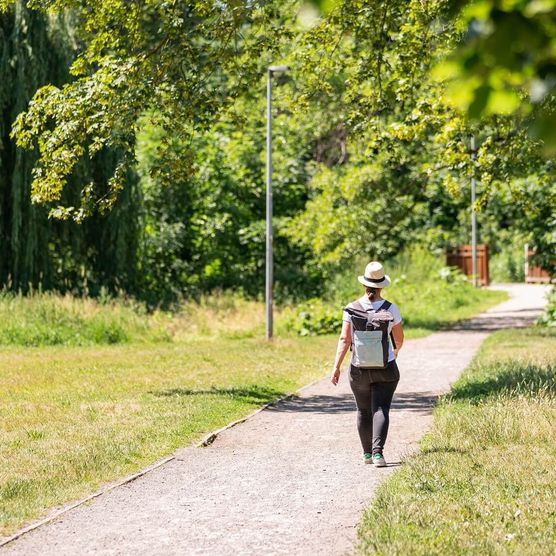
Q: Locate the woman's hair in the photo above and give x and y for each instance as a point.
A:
(372, 292)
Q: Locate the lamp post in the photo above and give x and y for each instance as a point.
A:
(269, 237)
(473, 214)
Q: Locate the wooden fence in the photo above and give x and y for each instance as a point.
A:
(461, 257)
(534, 274)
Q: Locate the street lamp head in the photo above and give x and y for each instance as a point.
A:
(274, 69)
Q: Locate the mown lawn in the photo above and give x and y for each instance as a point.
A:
(484, 480)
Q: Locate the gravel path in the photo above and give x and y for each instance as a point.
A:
(290, 480)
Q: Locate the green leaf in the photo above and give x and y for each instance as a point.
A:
(479, 102)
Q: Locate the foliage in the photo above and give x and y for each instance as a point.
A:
(34, 50)
(351, 213)
(369, 153)
(467, 490)
(206, 230)
(505, 62)
(186, 60)
(548, 318)
(314, 317)
(508, 264)
(406, 147)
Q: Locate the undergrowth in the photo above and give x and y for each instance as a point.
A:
(45, 319)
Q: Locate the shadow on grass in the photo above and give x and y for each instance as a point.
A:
(255, 393)
(443, 450)
(512, 378)
(261, 395)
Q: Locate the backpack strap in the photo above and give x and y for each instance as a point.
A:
(384, 307)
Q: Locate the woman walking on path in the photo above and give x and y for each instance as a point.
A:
(368, 326)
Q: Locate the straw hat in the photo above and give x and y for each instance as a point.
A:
(374, 276)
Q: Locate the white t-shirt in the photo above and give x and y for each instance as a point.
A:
(366, 303)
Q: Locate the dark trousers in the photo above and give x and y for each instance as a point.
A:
(373, 400)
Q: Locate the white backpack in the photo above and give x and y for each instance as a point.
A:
(369, 335)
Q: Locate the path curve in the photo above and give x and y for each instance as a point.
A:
(290, 480)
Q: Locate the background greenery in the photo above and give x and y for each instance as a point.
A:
(153, 174)
(430, 295)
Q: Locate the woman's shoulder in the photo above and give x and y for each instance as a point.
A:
(353, 304)
(395, 310)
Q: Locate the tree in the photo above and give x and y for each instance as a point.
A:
(180, 61)
(505, 63)
(36, 251)
(408, 144)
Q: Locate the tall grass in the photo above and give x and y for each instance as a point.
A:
(47, 319)
(484, 480)
(225, 315)
(43, 319)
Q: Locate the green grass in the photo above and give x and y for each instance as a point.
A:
(74, 418)
(484, 480)
(45, 319)
(48, 319)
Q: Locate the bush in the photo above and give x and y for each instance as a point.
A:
(314, 317)
(548, 318)
(508, 264)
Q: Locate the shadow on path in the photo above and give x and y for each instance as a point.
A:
(492, 322)
(321, 403)
(418, 402)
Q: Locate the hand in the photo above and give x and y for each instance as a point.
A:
(335, 376)
(396, 351)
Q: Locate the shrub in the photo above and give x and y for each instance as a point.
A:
(548, 318)
(314, 317)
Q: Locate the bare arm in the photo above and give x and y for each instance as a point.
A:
(343, 345)
(397, 332)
